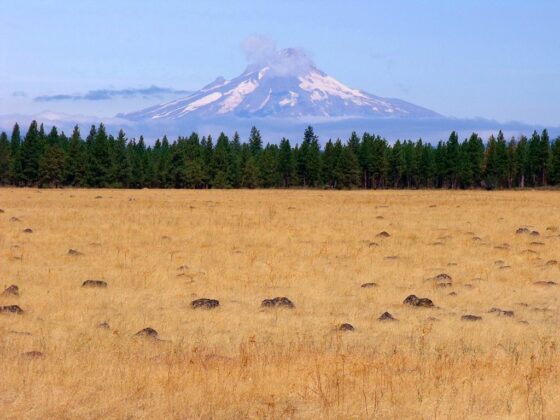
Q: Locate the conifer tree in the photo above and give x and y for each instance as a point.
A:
(221, 161)
(543, 159)
(501, 160)
(51, 166)
(162, 157)
(178, 164)
(555, 162)
(397, 164)
(337, 174)
(354, 144)
(16, 167)
(286, 163)
(301, 153)
(330, 161)
(453, 160)
(5, 159)
(268, 167)
(120, 164)
(76, 165)
(250, 171)
(475, 156)
(139, 171)
(512, 168)
(416, 164)
(534, 159)
(367, 160)
(428, 166)
(313, 159)
(491, 163)
(380, 162)
(196, 155)
(207, 146)
(441, 162)
(255, 142)
(53, 137)
(235, 161)
(31, 150)
(99, 158)
(349, 168)
(522, 161)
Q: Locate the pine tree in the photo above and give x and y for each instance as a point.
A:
(120, 164)
(441, 162)
(76, 165)
(337, 174)
(354, 144)
(466, 177)
(286, 165)
(501, 160)
(268, 167)
(195, 174)
(367, 160)
(207, 146)
(534, 164)
(162, 156)
(349, 167)
(178, 164)
(99, 158)
(475, 156)
(397, 164)
(5, 159)
(255, 142)
(31, 150)
(313, 165)
(453, 160)
(428, 166)
(330, 161)
(416, 164)
(53, 137)
(522, 161)
(195, 161)
(139, 171)
(149, 168)
(250, 171)
(221, 162)
(16, 167)
(301, 162)
(380, 162)
(235, 163)
(491, 164)
(410, 168)
(51, 166)
(512, 168)
(544, 157)
(555, 162)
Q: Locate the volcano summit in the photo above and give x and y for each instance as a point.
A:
(285, 85)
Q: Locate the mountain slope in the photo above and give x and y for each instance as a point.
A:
(287, 85)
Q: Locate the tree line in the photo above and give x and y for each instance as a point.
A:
(101, 160)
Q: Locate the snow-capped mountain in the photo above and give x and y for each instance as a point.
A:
(285, 85)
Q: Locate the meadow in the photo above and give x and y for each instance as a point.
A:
(74, 352)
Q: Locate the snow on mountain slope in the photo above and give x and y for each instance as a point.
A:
(287, 85)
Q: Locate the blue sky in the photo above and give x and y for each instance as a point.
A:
(495, 59)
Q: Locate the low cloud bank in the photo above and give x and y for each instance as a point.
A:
(107, 94)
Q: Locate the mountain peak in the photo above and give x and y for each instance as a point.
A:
(219, 81)
(283, 84)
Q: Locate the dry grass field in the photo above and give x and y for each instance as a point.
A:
(159, 250)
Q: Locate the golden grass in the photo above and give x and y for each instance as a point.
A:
(240, 361)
